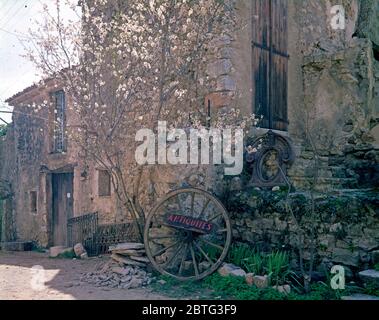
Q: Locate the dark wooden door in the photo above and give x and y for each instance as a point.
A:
(270, 62)
(62, 190)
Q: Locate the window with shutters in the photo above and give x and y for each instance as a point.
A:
(59, 141)
(104, 183)
(270, 62)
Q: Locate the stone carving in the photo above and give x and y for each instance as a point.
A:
(268, 157)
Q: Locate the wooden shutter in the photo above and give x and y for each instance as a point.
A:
(270, 62)
(104, 183)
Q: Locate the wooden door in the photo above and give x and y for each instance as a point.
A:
(270, 62)
(62, 195)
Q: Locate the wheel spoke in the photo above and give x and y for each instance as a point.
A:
(162, 237)
(165, 249)
(194, 261)
(212, 244)
(204, 207)
(179, 204)
(167, 263)
(222, 230)
(203, 253)
(214, 217)
(183, 258)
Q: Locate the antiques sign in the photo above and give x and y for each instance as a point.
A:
(188, 223)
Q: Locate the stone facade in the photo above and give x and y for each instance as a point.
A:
(346, 225)
(333, 75)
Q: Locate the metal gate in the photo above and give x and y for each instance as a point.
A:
(82, 230)
(97, 238)
(110, 234)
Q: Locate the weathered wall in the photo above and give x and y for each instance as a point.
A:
(333, 88)
(333, 79)
(346, 225)
(33, 162)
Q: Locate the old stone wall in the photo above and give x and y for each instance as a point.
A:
(32, 163)
(345, 225)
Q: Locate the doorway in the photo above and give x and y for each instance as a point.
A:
(62, 206)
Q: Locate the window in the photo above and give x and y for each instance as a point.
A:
(104, 183)
(270, 62)
(59, 144)
(33, 201)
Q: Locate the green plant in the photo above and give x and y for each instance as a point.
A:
(3, 130)
(376, 267)
(254, 263)
(277, 267)
(231, 287)
(212, 252)
(238, 253)
(371, 289)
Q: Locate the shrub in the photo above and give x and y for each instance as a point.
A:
(254, 263)
(238, 253)
(277, 267)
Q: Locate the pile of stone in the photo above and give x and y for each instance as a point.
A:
(125, 270)
(115, 275)
(261, 282)
(130, 254)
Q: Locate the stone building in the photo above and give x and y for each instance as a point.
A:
(287, 62)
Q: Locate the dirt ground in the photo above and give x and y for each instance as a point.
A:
(35, 276)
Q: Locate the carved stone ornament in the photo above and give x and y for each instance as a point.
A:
(268, 157)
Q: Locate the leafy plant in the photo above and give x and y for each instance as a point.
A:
(376, 267)
(3, 130)
(371, 289)
(277, 267)
(238, 253)
(254, 263)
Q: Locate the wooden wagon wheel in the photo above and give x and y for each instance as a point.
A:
(187, 234)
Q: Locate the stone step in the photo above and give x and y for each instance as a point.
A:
(359, 296)
(17, 246)
(370, 276)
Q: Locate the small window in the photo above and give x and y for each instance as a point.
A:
(33, 201)
(104, 183)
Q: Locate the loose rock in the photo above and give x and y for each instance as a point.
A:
(229, 269)
(261, 282)
(79, 249)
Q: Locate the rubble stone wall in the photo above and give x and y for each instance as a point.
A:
(346, 225)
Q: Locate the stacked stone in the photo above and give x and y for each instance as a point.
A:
(115, 275)
(130, 253)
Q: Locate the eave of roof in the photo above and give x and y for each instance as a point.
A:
(40, 84)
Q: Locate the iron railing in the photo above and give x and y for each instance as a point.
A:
(82, 230)
(96, 238)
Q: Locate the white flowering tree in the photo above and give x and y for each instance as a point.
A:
(127, 65)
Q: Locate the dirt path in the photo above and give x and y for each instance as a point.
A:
(35, 276)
